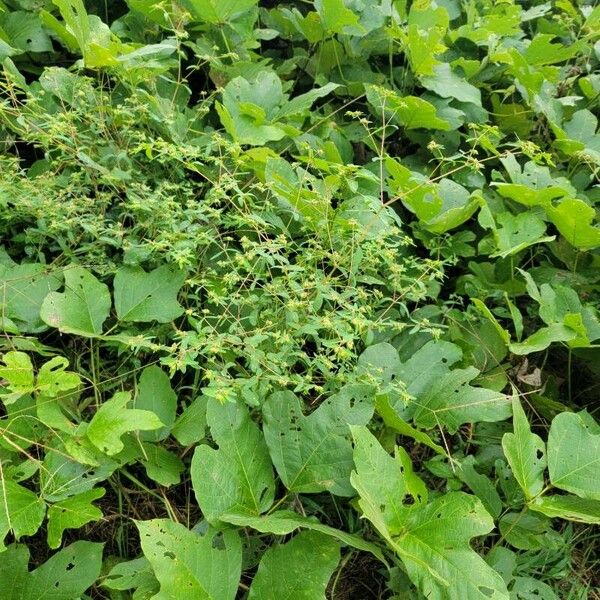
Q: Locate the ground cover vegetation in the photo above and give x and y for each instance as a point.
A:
(299, 299)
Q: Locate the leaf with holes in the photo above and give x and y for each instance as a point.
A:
(313, 453)
(82, 308)
(314, 556)
(144, 297)
(238, 476)
(66, 575)
(431, 539)
(190, 566)
(72, 513)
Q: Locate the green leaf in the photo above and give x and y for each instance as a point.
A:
(313, 453)
(113, 419)
(409, 111)
(133, 574)
(218, 11)
(284, 522)
(190, 566)
(517, 232)
(21, 511)
(18, 373)
(542, 338)
(525, 452)
(144, 297)
(236, 477)
(393, 420)
(190, 427)
(574, 456)
(22, 292)
(156, 395)
(452, 401)
(66, 575)
(571, 508)
(82, 308)
(337, 17)
(541, 50)
(25, 32)
(573, 218)
(314, 556)
(72, 513)
(447, 84)
(162, 466)
(431, 539)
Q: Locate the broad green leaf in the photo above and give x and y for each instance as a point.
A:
(447, 84)
(283, 522)
(541, 50)
(22, 292)
(238, 476)
(21, 511)
(162, 466)
(431, 539)
(452, 401)
(409, 111)
(82, 308)
(314, 557)
(25, 32)
(218, 12)
(72, 513)
(525, 452)
(427, 25)
(17, 371)
(133, 574)
(156, 395)
(574, 456)
(113, 419)
(526, 530)
(481, 485)
(66, 575)
(528, 588)
(190, 566)
(144, 297)
(573, 218)
(517, 232)
(542, 338)
(387, 487)
(302, 103)
(190, 426)
(337, 17)
(569, 507)
(313, 453)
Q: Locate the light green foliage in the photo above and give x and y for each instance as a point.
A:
(237, 477)
(307, 292)
(274, 578)
(191, 566)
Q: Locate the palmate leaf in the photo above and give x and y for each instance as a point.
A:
(525, 452)
(64, 576)
(574, 456)
(431, 539)
(190, 566)
(314, 556)
(82, 308)
(313, 453)
(238, 476)
(144, 297)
